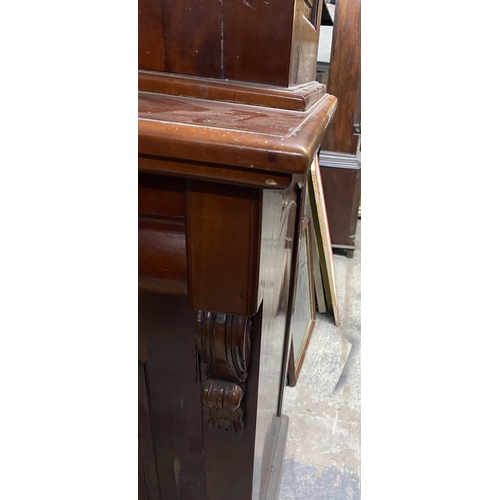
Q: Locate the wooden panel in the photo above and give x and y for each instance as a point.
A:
(223, 235)
(345, 75)
(297, 98)
(162, 250)
(150, 35)
(192, 37)
(247, 458)
(257, 39)
(342, 187)
(248, 40)
(162, 196)
(174, 395)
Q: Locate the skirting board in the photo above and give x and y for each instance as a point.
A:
(347, 247)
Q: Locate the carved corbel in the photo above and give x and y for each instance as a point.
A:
(222, 400)
(223, 341)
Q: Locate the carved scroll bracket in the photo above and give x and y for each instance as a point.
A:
(223, 341)
(223, 400)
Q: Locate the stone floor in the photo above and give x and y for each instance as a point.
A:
(322, 457)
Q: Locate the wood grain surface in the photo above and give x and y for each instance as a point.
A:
(162, 196)
(151, 53)
(223, 237)
(345, 76)
(221, 173)
(248, 40)
(298, 97)
(343, 188)
(162, 250)
(232, 134)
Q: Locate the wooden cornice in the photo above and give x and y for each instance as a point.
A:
(297, 98)
(231, 134)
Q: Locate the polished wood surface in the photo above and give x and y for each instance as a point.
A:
(232, 134)
(185, 36)
(223, 239)
(162, 239)
(297, 98)
(254, 41)
(217, 114)
(256, 47)
(225, 174)
(343, 186)
(162, 196)
(162, 251)
(344, 80)
(151, 49)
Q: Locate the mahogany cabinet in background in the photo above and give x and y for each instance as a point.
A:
(339, 159)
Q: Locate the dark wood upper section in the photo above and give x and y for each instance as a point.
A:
(265, 41)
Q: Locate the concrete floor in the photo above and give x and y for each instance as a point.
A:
(322, 457)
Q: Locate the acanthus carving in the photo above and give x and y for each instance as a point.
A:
(223, 341)
(223, 400)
